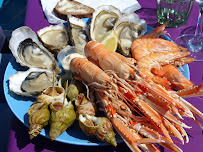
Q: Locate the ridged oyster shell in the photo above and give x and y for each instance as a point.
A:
(29, 52)
(30, 82)
(128, 28)
(103, 20)
(54, 38)
(78, 31)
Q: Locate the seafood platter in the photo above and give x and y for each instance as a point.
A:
(64, 84)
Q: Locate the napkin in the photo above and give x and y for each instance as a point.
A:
(125, 6)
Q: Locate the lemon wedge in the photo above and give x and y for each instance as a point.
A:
(110, 40)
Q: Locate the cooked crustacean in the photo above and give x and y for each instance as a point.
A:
(128, 28)
(104, 85)
(39, 116)
(31, 82)
(54, 38)
(78, 31)
(101, 127)
(62, 117)
(103, 20)
(159, 110)
(29, 52)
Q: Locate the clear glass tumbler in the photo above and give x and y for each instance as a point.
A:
(174, 12)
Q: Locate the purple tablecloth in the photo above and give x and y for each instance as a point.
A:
(19, 138)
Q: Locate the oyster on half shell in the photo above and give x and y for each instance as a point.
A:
(103, 20)
(78, 31)
(54, 38)
(29, 52)
(128, 28)
(30, 82)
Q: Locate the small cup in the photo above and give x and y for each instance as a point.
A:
(67, 54)
(174, 12)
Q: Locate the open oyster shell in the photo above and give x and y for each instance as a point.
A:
(30, 82)
(78, 31)
(54, 38)
(103, 20)
(29, 52)
(128, 28)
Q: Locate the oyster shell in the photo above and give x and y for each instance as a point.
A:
(128, 28)
(29, 52)
(103, 20)
(54, 38)
(78, 31)
(30, 82)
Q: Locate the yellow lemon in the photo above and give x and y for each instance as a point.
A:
(110, 40)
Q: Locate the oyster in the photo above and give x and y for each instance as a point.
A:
(54, 38)
(78, 31)
(29, 52)
(103, 20)
(30, 82)
(128, 28)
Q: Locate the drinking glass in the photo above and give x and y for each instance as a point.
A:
(174, 12)
(194, 41)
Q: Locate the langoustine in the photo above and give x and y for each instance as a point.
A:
(102, 58)
(104, 85)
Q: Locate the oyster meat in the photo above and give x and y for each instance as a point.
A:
(30, 82)
(103, 20)
(54, 38)
(128, 28)
(78, 31)
(29, 52)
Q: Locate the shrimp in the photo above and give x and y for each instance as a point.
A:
(154, 60)
(151, 43)
(173, 75)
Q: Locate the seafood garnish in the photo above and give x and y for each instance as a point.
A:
(78, 31)
(39, 116)
(128, 28)
(103, 20)
(29, 52)
(54, 38)
(101, 127)
(62, 117)
(31, 82)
